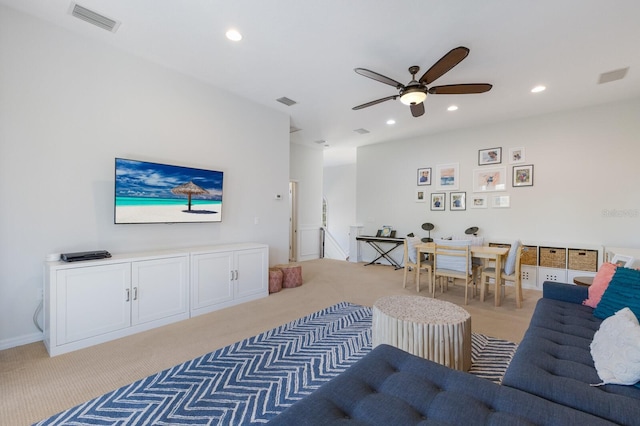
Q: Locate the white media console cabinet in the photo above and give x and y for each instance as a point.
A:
(94, 301)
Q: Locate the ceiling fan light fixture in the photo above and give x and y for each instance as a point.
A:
(413, 96)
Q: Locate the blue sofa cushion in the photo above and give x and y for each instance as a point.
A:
(623, 291)
(392, 387)
(554, 362)
(564, 292)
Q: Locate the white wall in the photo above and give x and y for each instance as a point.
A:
(339, 188)
(306, 170)
(68, 107)
(585, 179)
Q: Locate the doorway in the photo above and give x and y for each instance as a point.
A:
(293, 221)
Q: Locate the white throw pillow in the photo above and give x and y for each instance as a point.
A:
(616, 349)
(411, 248)
(510, 264)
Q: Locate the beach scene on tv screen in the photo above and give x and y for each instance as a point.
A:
(161, 193)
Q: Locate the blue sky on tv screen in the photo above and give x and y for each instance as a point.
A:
(152, 180)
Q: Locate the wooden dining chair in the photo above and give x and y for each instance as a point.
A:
(453, 260)
(411, 263)
(499, 284)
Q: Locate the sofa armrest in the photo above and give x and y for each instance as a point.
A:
(564, 292)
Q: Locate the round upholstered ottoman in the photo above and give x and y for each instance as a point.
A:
(275, 280)
(291, 276)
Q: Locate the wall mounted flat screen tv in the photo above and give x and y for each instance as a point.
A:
(161, 193)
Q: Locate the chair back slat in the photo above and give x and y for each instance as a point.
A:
(453, 257)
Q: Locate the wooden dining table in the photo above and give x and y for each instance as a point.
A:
(480, 252)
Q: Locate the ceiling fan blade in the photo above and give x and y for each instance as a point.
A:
(444, 64)
(377, 101)
(460, 89)
(379, 77)
(417, 109)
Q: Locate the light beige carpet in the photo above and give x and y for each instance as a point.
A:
(34, 386)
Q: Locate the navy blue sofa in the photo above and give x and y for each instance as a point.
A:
(548, 382)
(554, 359)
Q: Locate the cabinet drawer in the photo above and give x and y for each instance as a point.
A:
(553, 257)
(551, 274)
(529, 276)
(583, 260)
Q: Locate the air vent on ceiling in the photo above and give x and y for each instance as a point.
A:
(614, 75)
(94, 18)
(362, 131)
(286, 101)
(321, 142)
(293, 129)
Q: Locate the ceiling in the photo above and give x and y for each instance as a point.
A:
(307, 50)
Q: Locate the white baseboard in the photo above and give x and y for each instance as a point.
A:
(22, 340)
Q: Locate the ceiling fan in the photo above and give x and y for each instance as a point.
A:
(414, 93)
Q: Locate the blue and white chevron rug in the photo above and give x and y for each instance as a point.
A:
(254, 380)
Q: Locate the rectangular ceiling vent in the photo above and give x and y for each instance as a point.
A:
(321, 142)
(94, 18)
(614, 75)
(362, 131)
(286, 101)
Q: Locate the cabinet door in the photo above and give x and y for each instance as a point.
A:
(158, 289)
(252, 270)
(211, 275)
(92, 301)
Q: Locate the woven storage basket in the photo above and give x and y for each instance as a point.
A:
(529, 255)
(553, 257)
(583, 260)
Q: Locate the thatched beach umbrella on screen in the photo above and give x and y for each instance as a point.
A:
(189, 189)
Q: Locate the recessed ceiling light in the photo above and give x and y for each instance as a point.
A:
(538, 89)
(391, 121)
(233, 35)
(452, 108)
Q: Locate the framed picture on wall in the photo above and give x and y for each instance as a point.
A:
(478, 201)
(421, 195)
(620, 260)
(489, 179)
(516, 155)
(489, 156)
(424, 176)
(458, 201)
(447, 176)
(438, 201)
(523, 175)
(501, 201)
